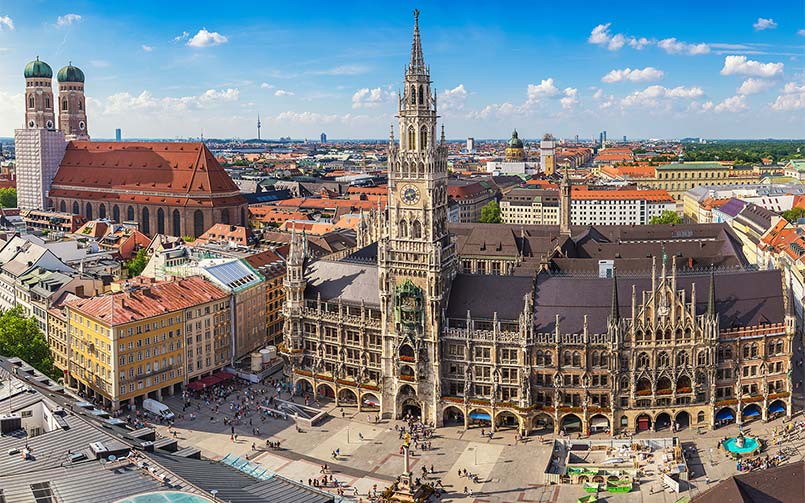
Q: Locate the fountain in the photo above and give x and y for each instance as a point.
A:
(742, 445)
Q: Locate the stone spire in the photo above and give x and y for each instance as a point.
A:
(711, 296)
(417, 64)
(564, 205)
(615, 313)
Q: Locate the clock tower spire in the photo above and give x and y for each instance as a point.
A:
(416, 256)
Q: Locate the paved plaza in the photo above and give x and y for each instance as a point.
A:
(369, 455)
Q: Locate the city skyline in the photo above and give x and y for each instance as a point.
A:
(735, 74)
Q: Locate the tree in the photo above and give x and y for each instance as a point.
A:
(490, 214)
(137, 264)
(8, 197)
(793, 214)
(21, 337)
(667, 217)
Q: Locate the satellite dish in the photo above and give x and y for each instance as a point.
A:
(111, 458)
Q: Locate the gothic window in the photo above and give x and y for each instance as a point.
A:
(700, 417)
(161, 221)
(76, 210)
(540, 358)
(62, 207)
(102, 211)
(413, 95)
(64, 104)
(402, 228)
(682, 359)
(576, 359)
(130, 214)
(638, 336)
(754, 350)
(662, 359)
(225, 216)
(624, 383)
(411, 138)
(567, 359)
(80, 106)
(642, 360)
(423, 142)
(420, 95)
(116, 213)
(702, 358)
(416, 231)
(47, 102)
(88, 212)
(648, 336)
(198, 223)
(145, 225)
(548, 358)
(31, 101)
(177, 223)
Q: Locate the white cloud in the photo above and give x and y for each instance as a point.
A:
(342, 70)
(125, 102)
(545, 89)
(647, 74)
(674, 46)
(282, 93)
(453, 99)
(753, 86)
(371, 98)
(67, 19)
(764, 24)
(266, 85)
(183, 36)
(656, 95)
(570, 99)
(206, 38)
(7, 22)
(639, 43)
(147, 48)
(602, 36)
(732, 104)
(801, 32)
(695, 106)
(792, 98)
(739, 65)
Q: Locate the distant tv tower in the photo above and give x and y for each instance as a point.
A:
(258, 126)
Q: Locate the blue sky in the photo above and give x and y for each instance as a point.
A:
(641, 69)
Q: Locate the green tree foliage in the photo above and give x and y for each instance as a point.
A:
(746, 152)
(490, 214)
(667, 217)
(793, 214)
(21, 337)
(137, 264)
(8, 197)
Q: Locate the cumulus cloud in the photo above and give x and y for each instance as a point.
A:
(206, 38)
(453, 99)
(740, 65)
(792, 98)
(147, 48)
(67, 20)
(282, 93)
(545, 89)
(266, 85)
(603, 37)
(6, 22)
(371, 98)
(654, 95)
(647, 74)
(801, 32)
(183, 36)
(570, 98)
(753, 86)
(732, 104)
(695, 106)
(125, 102)
(674, 46)
(764, 24)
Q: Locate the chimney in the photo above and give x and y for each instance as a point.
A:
(79, 291)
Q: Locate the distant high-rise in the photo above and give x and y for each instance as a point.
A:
(601, 138)
(324, 138)
(604, 137)
(471, 145)
(577, 138)
(547, 154)
(624, 138)
(259, 124)
(118, 135)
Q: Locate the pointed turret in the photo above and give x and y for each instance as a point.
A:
(711, 295)
(614, 315)
(417, 64)
(790, 309)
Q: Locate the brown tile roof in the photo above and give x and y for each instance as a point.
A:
(779, 485)
(146, 300)
(171, 171)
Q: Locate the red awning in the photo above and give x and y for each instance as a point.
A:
(210, 380)
(196, 386)
(223, 375)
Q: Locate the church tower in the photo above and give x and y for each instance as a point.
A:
(565, 200)
(72, 105)
(39, 96)
(416, 255)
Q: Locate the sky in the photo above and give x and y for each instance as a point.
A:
(714, 69)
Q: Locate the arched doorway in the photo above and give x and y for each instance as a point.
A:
(411, 408)
(370, 402)
(777, 408)
(480, 418)
(506, 420)
(599, 423)
(542, 424)
(325, 391)
(303, 387)
(752, 411)
(643, 422)
(662, 421)
(725, 416)
(571, 423)
(347, 397)
(682, 421)
(452, 416)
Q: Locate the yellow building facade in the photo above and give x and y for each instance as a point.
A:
(677, 178)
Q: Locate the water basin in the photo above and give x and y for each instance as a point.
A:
(750, 445)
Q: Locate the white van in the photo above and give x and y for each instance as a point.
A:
(158, 408)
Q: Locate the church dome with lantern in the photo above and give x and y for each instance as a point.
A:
(515, 151)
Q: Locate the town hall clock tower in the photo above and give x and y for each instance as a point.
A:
(416, 254)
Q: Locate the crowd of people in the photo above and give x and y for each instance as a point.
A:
(758, 463)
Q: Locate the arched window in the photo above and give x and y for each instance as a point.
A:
(682, 359)
(64, 104)
(88, 211)
(31, 101)
(642, 360)
(416, 231)
(225, 216)
(63, 207)
(568, 359)
(420, 95)
(198, 223)
(130, 214)
(411, 138)
(76, 210)
(161, 221)
(662, 359)
(80, 105)
(576, 359)
(594, 359)
(177, 223)
(102, 211)
(403, 228)
(145, 223)
(423, 138)
(548, 358)
(413, 95)
(116, 213)
(702, 359)
(47, 102)
(540, 358)
(754, 350)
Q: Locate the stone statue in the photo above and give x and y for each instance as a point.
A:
(525, 386)
(467, 382)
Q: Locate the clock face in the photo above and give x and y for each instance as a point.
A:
(409, 194)
(81, 125)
